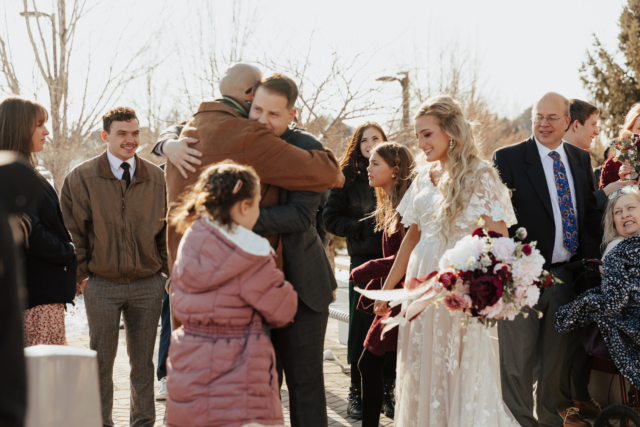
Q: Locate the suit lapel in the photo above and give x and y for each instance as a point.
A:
(536, 174)
(578, 174)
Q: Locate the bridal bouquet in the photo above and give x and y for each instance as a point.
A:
(627, 150)
(485, 276)
(488, 276)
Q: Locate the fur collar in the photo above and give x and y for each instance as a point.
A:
(245, 239)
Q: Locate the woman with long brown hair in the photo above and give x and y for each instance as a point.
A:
(347, 214)
(390, 172)
(50, 260)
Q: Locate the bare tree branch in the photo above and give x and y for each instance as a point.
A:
(8, 70)
(69, 138)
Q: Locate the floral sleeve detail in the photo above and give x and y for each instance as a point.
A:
(609, 172)
(405, 207)
(490, 198)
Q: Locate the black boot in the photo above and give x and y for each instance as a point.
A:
(354, 410)
(389, 398)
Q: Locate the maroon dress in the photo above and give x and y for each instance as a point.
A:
(375, 272)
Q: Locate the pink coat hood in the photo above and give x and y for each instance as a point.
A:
(217, 268)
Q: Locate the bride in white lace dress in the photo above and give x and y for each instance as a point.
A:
(447, 372)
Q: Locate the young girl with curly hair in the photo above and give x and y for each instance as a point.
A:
(222, 366)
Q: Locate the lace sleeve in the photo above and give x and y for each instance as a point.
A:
(405, 207)
(491, 198)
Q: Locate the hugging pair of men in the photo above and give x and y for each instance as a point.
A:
(251, 124)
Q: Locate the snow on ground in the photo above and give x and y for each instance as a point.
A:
(75, 319)
(342, 274)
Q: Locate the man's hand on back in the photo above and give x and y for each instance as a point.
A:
(181, 156)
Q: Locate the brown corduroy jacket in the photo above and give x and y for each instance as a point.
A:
(222, 133)
(119, 233)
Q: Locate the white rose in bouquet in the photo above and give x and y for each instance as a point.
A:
(464, 256)
(504, 249)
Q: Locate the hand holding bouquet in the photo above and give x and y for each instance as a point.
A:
(627, 151)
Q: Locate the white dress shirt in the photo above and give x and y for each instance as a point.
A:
(560, 253)
(116, 165)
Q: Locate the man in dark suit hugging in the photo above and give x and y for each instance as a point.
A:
(298, 346)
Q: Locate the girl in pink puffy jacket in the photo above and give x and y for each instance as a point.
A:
(222, 366)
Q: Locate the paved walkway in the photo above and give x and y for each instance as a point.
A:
(336, 375)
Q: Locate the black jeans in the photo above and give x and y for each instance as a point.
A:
(374, 370)
(165, 337)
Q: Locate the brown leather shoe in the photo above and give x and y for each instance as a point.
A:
(571, 418)
(588, 408)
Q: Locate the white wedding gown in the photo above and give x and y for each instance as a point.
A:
(447, 372)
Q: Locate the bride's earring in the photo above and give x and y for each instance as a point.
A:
(450, 143)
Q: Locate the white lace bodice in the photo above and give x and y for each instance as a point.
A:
(420, 206)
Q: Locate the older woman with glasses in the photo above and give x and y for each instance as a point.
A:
(615, 304)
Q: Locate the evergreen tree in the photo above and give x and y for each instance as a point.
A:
(614, 79)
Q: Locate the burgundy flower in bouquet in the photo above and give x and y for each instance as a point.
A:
(485, 291)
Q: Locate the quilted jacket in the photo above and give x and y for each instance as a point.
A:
(222, 366)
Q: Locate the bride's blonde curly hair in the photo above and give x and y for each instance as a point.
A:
(463, 167)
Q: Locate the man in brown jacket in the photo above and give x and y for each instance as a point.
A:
(114, 206)
(223, 131)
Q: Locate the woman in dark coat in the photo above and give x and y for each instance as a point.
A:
(19, 190)
(50, 259)
(347, 214)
